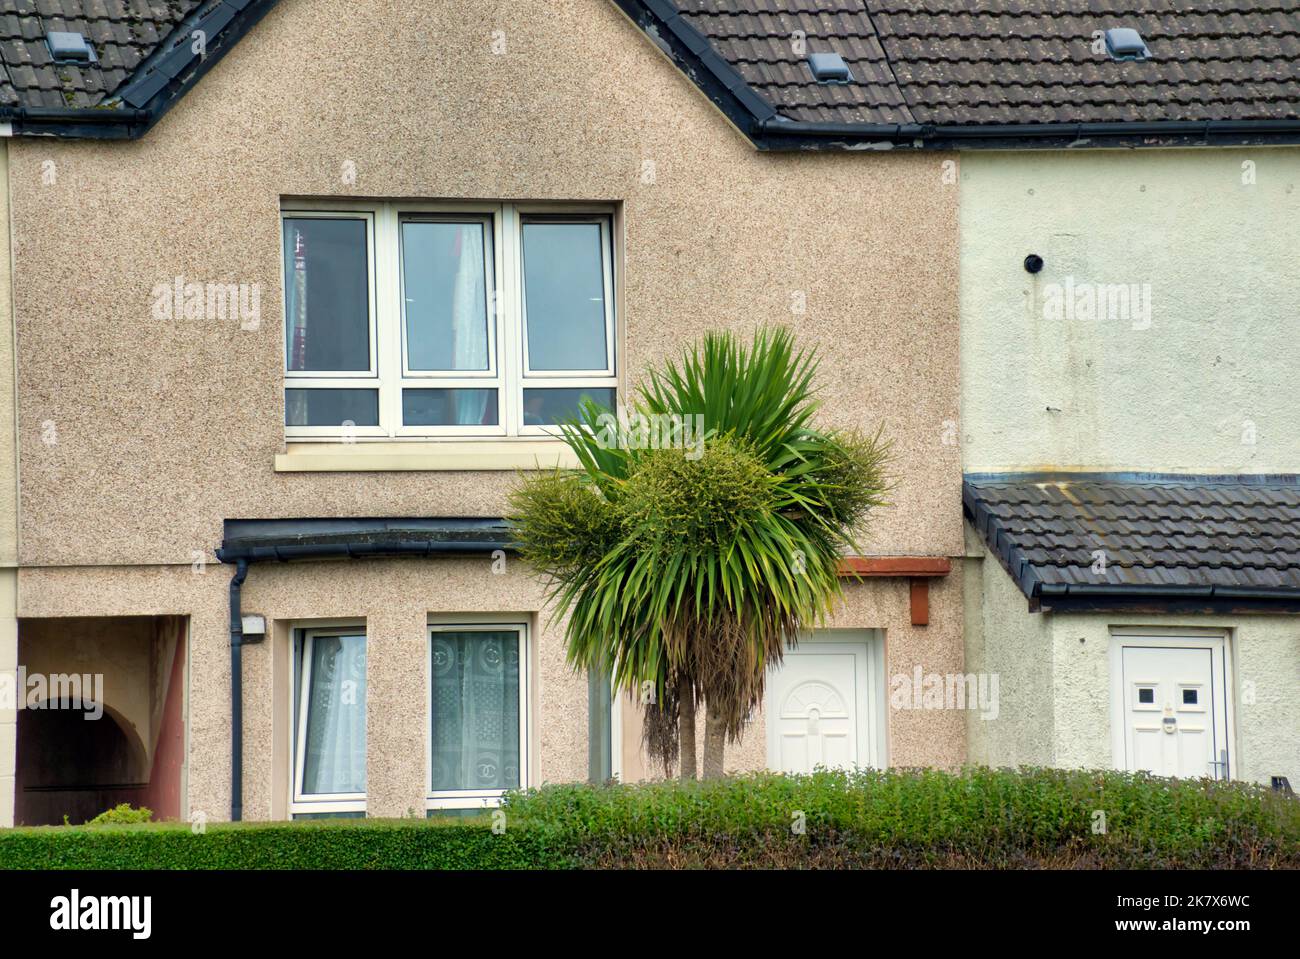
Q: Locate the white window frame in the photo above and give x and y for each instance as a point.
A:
(336, 379)
(476, 798)
(507, 340)
(300, 802)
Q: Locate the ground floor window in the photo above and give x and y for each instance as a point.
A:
(329, 731)
(478, 746)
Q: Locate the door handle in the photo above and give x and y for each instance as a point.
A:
(1220, 767)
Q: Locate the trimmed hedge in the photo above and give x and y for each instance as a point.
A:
(910, 818)
(314, 844)
(922, 818)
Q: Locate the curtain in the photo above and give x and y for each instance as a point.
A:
(468, 324)
(296, 317)
(335, 761)
(475, 710)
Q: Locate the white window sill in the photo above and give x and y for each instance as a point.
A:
(361, 457)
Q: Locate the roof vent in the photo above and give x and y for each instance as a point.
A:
(1125, 43)
(69, 47)
(829, 68)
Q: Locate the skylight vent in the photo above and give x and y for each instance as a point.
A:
(69, 47)
(829, 68)
(1125, 43)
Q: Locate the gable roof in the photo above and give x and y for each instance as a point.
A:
(147, 54)
(950, 73)
(1194, 541)
(122, 33)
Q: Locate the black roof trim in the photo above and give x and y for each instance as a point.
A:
(1170, 479)
(284, 540)
(694, 55)
(158, 82)
(769, 131)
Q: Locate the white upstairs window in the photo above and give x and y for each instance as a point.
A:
(473, 320)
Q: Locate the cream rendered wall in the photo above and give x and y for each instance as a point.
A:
(1004, 639)
(1206, 387)
(1216, 367)
(1055, 682)
(1265, 652)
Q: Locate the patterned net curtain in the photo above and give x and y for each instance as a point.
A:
(475, 710)
(336, 717)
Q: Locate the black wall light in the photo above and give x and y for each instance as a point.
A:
(1033, 263)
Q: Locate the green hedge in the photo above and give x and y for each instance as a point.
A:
(908, 818)
(318, 844)
(919, 818)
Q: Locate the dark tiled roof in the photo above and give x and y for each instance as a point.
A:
(758, 38)
(122, 33)
(1221, 537)
(978, 62)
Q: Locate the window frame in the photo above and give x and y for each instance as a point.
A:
(476, 798)
(508, 372)
(334, 379)
(300, 802)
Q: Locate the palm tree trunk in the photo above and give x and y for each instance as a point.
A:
(686, 729)
(715, 742)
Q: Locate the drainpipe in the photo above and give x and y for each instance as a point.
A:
(237, 693)
(364, 546)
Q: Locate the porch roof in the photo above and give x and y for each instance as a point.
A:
(1101, 541)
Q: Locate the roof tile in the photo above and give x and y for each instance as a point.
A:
(122, 32)
(1014, 61)
(1236, 533)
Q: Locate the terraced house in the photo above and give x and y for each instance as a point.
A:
(299, 286)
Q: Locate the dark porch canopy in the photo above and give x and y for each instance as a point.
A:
(261, 540)
(1143, 541)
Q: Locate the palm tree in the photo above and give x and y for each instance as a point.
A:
(686, 560)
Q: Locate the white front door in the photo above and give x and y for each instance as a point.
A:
(819, 706)
(1173, 707)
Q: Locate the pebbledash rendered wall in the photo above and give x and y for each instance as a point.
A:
(164, 429)
(1203, 382)
(8, 514)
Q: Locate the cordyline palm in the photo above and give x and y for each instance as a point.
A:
(686, 569)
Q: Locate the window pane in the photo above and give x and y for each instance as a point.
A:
(449, 407)
(335, 739)
(476, 710)
(551, 406)
(326, 295)
(446, 302)
(564, 295)
(319, 407)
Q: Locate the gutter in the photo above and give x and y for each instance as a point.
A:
(778, 133)
(369, 539)
(693, 54)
